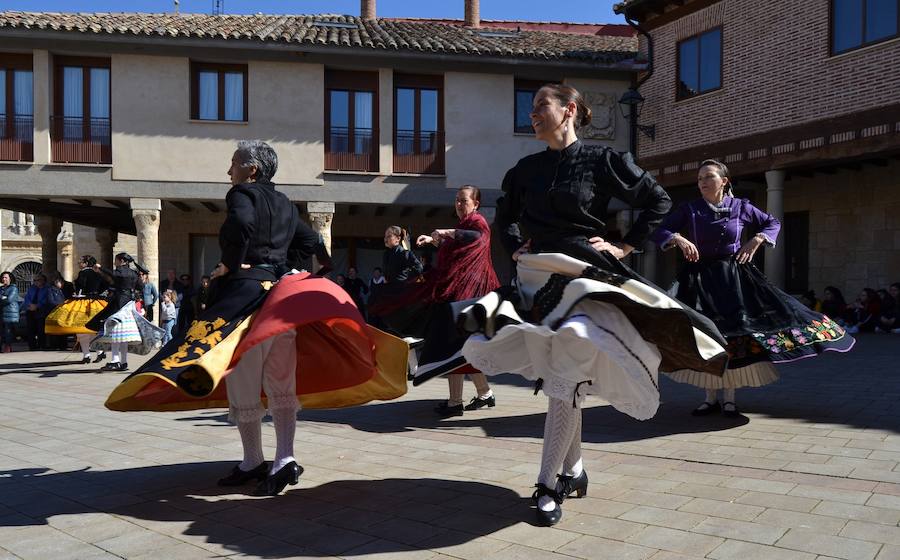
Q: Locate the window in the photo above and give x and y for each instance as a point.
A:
(219, 92)
(525, 90)
(80, 126)
(16, 108)
(351, 121)
(700, 64)
(857, 23)
(418, 124)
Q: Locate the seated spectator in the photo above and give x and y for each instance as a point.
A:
(833, 304)
(864, 312)
(890, 302)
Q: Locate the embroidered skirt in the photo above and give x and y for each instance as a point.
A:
(71, 316)
(588, 331)
(762, 324)
(341, 361)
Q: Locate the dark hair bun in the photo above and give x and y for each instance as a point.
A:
(585, 115)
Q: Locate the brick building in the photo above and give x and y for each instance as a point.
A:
(800, 99)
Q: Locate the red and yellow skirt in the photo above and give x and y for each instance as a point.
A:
(341, 361)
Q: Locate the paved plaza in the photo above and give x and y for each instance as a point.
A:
(809, 472)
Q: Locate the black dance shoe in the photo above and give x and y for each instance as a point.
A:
(275, 483)
(110, 366)
(478, 402)
(547, 518)
(577, 484)
(122, 367)
(707, 409)
(445, 411)
(100, 357)
(734, 412)
(239, 477)
(86, 360)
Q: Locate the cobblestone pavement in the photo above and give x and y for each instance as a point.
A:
(809, 472)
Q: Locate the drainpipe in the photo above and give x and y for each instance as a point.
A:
(638, 83)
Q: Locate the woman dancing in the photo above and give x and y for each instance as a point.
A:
(72, 316)
(599, 328)
(762, 324)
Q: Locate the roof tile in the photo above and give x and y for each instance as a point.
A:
(382, 34)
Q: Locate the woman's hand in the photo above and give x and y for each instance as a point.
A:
(440, 235)
(688, 249)
(749, 249)
(424, 240)
(524, 249)
(618, 250)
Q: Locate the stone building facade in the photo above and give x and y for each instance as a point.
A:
(143, 168)
(803, 108)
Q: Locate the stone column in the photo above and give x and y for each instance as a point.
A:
(107, 240)
(321, 214)
(775, 206)
(146, 213)
(48, 228)
(30, 228)
(66, 259)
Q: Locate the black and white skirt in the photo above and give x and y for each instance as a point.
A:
(582, 329)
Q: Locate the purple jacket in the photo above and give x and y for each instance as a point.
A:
(716, 234)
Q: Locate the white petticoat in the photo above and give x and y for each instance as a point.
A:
(754, 375)
(596, 343)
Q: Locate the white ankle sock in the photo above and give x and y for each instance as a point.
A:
(285, 421)
(487, 395)
(711, 396)
(728, 395)
(251, 439)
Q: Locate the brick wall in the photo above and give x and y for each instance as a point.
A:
(777, 72)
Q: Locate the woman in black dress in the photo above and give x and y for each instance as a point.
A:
(596, 326)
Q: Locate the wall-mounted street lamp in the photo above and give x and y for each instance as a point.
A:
(634, 101)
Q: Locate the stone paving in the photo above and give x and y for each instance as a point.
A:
(809, 472)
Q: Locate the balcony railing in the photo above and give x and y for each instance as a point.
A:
(351, 150)
(419, 152)
(80, 140)
(16, 138)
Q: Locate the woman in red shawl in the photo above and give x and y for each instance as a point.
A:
(464, 271)
(423, 309)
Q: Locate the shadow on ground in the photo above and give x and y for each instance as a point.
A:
(349, 517)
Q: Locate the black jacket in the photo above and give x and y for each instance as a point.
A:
(399, 265)
(263, 229)
(124, 283)
(90, 283)
(565, 194)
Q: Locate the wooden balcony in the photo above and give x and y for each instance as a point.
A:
(16, 138)
(419, 152)
(351, 150)
(80, 140)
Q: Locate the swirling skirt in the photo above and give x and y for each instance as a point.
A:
(128, 325)
(588, 331)
(341, 361)
(762, 324)
(71, 316)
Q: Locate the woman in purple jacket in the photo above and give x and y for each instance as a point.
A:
(762, 324)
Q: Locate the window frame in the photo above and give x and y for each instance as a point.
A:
(696, 37)
(221, 69)
(9, 64)
(526, 86)
(832, 22)
(85, 63)
(353, 82)
(417, 83)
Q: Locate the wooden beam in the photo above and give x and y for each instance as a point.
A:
(117, 203)
(353, 209)
(432, 212)
(82, 201)
(211, 206)
(379, 210)
(407, 210)
(180, 205)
